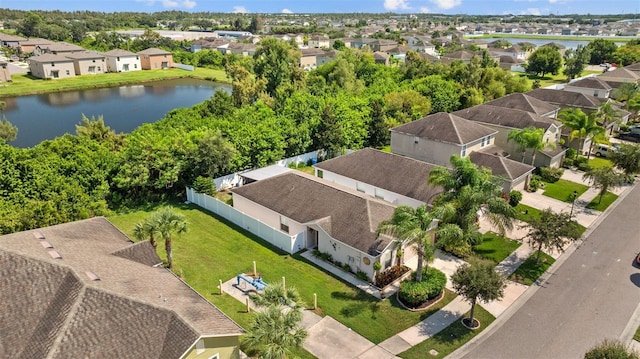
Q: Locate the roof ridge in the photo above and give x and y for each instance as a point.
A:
(453, 121)
(67, 321)
(506, 168)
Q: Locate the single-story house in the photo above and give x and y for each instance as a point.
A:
(85, 290)
(5, 75)
(393, 178)
(50, 66)
(88, 63)
(334, 219)
(154, 59)
(122, 61)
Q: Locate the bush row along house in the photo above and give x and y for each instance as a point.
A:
(61, 60)
(85, 290)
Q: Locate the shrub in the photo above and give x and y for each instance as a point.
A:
(362, 276)
(551, 175)
(204, 185)
(389, 275)
(514, 198)
(415, 293)
(534, 184)
(571, 153)
(377, 266)
(580, 160)
(324, 256)
(584, 166)
(568, 163)
(346, 267)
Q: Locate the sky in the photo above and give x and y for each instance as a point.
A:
(476, 7)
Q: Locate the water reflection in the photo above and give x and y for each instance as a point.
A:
(60, 99)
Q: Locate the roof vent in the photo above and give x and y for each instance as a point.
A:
(46, 244)
(38, 235)
(92, 275)
(54, 254)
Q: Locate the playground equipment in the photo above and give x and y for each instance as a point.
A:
(257, 283)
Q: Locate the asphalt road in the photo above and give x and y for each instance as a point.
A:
(592, 296)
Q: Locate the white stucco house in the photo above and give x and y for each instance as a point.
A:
(122, 61)
(322, 215)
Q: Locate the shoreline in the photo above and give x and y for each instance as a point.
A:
(24, 85)
(553, 37)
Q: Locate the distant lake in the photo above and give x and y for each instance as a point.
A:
(47, 116)
(569, 44)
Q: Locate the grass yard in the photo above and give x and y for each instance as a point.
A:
(563, 190)
(530, 271)
(214, 249)
(495, 247)
(597, 162)
(450, 338)
(28, 85)
(636, 336)
(550, 79)
(526, 213)
(607, 199)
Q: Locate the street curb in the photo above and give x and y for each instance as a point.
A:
(518, 303)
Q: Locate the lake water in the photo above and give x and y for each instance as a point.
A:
(46, 116)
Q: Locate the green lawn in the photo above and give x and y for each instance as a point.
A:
(27, 85)
(450, 338)
(596, 162)
(607, 199)
(526, 213)
(563, 190)
(530, 271)
(637, 335)
(550, 79)
(214, 249)
(495, 247)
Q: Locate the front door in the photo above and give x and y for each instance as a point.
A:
(312, 238)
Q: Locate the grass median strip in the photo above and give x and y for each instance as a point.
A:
(563, 190)
(607, 199)
(529, 272)
(214, 249)
(495, 247)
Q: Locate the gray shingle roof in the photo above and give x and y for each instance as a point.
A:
(567, 98)
(524, 102)
(48, 57)
(61, 47)
(394, 173)
(55, 310)
(500, 166)
(119, 52)
(154, 51)
(506, 117)
(82, 55)
(445, 127)
(347, 215)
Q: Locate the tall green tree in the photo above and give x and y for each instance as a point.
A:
(551, 230)
(601, 50)
(413, 226)
(478, 281)
(277, 62)
(603, 179)
(473, 192)
(146, 229)
(8, 131)
(582, 126)
(545, 60)
(575, 61)
(527, 138)
(96, 130)
(167, 222)
(627, 159)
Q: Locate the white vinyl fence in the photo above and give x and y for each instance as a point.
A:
(277, 238)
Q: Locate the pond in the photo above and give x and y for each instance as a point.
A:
(46, 116)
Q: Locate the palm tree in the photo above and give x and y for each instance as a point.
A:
(277, 294)
(528, 138)
(471, 191)
(146, 229)
(633, 105)
(519, 137)
(274, 333)
(167, 222)
(414, 226)
(607, 114)
(581, 125)
(604, 178)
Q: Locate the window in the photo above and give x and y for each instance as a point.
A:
(68, 73)
(360, 187)
(118, 58)
(92, 69)
(215, 356)
(320, 174)
(379, 193)
(415, 139)
(135, 66)
(55, 74)
(284, 224)
(464, 151)
(99, 69)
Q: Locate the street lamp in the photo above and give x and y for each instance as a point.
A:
(575, 195)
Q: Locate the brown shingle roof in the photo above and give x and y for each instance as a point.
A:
(394, 173)
(445, 127)
(61, 47)
(154, 51)
(591, 83)
(119, 52)
(524, 102)
(506, 117)
(501, 166)
(141, 252)
(620, 73)
(348, 216)
(567, 98)
(49, 58)
(123, 314)
(84, 55)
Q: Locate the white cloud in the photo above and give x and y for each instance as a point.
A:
(239, 10)
(171, 4)
(287, 11)
(424, 10)
(396, 5)
(447, 4)
(531, 11)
